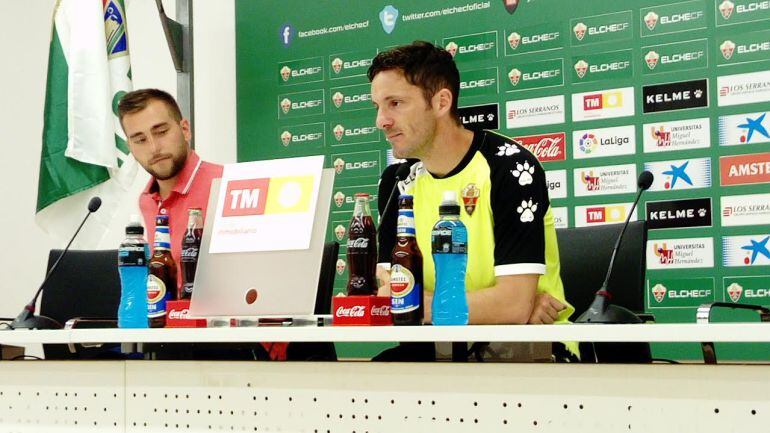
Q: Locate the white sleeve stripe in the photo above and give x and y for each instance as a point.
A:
(520, 268)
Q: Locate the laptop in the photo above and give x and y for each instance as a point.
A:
(263, 284)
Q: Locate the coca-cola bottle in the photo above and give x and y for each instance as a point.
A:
(191, 245)
(362, 250)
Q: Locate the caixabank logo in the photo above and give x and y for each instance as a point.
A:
(745, 210)
(738, 129)
(300, 104)
(743, 88)
(602, 142)
(675, 96)
(351, 64)
(602, 28)
(673, 18)
(676, 135)
(472, 47)
(680, 253)
(741, 11)
(301, 71)
(310, 136)
(611, 179)
(675, 214)
(750, 290)
(603, 104)
(744, 169)
(599, 214)
(529, 39)
(746, 250)
(680, 174)
(268, 196)
(744, 48)
(608, 65)
(535, 75)
(480, 117)
(676, 56)
(680, 292)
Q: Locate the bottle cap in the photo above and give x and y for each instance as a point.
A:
(449, 205)
(134, 226)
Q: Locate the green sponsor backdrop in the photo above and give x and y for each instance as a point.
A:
(306, 52)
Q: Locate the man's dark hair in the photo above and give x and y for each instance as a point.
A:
(424, 65)
(138, 100)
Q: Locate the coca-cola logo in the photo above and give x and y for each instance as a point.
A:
(354, 311)
(382, 311)
(178, 314)
(358, 243)
(545, 147)
(190, 253)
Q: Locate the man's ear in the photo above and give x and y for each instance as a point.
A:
(442, 101)
(186, 131)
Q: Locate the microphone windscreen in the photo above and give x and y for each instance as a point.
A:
(645, 180)
(403, 171)
(94, 204)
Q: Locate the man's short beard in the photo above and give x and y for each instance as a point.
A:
(176, 167)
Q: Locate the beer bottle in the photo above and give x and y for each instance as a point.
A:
(191, 245)
(362, 249)
(161, 283)
(406, 295)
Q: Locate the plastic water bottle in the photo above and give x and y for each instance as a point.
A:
(132, 265)
(449, 246)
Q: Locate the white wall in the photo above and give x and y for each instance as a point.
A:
(25, 30)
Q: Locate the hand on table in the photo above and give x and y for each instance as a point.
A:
(546, 309)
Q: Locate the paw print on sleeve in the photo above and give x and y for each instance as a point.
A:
(524, 173)
(507, 149)
(527, 211)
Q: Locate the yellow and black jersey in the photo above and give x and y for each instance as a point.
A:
(505, 208)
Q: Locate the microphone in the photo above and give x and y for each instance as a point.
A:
(27, 318)
(401, 173)
(601, 310)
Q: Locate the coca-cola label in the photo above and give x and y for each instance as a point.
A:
(354, 311)
(546, 147)
(358, 243)
(382, 310)
(190, 254)
(178, 314)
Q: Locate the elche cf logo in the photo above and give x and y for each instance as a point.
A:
(659, 292)
(652, 59)
(341, 265)
(514, 39)
(286, 105)
(339, 198)
(580, 31)
(727, 48)
(651, 20)
(339, 131)
(285, 73)
(735, 291)
(514, 76)
(581, 67)
(726, 9)
(339, 232)
(337, 98)
(337, 65)
(451, 48)
(339, 165)
(286, 138)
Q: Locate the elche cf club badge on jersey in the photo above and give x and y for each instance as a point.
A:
(470, 196)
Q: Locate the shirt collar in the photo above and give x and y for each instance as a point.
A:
(185, 178)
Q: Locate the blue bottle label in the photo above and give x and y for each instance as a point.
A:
(157, 295)
(404, 291)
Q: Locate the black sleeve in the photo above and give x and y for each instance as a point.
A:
(519, 200)
(386, 233)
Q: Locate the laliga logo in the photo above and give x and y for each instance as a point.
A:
(734, 290)
(286, 138)
(666, 256)
(337, 99)
(651, 20)
(338, 130)
(451, 48)
(661, 136)
(581, 67)
(337, 65)
(659, 292)
(514, 39)
(514, 76)
(580, 31)
(341, 265)
(651, 59)
(727, 48)
(339, 165)
(339, 198)
(286, 105)
(726, 9)
(588, 143)
(591, 181)
(339, 232)
(285, 73)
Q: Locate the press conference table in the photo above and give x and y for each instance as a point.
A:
(38, 396)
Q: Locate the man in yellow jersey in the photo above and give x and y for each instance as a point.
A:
(513, 261)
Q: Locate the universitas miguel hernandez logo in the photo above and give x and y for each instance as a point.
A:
(665, 255)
